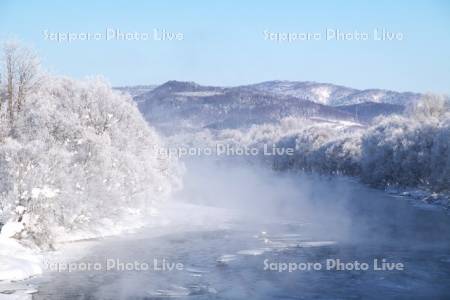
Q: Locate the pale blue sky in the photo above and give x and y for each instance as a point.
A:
(224, 42)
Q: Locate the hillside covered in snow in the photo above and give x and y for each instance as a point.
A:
(330, 94)
(191, 104)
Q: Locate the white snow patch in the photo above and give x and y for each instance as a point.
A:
(16, 261)
(10, 229)
(16, 291)
(322, 94)
(45, 191)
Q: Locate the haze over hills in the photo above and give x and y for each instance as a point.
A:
(189, 104)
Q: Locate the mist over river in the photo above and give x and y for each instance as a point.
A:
(238, 231)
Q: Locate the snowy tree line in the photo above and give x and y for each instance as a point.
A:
(74, 155)
(412, 149)
(408, 150)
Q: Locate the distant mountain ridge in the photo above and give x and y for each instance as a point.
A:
(330, 94)
(189, 104)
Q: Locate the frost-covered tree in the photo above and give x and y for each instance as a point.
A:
(20, 69)
(431, 107)
(80, 158)
(410, 150)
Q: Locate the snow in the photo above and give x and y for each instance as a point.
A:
(99, 177)
(11, 229)
(16, 261)
(94, 150)
(16, 291)
(322, 94)
(45, 192)
(82, 163)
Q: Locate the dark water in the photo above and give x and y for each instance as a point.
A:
(314, 220)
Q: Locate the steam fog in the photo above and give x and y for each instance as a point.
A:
(232, 217)
(262, 195)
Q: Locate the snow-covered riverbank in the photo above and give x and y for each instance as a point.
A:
(18, 262)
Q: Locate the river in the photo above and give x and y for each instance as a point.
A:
(244, 232)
